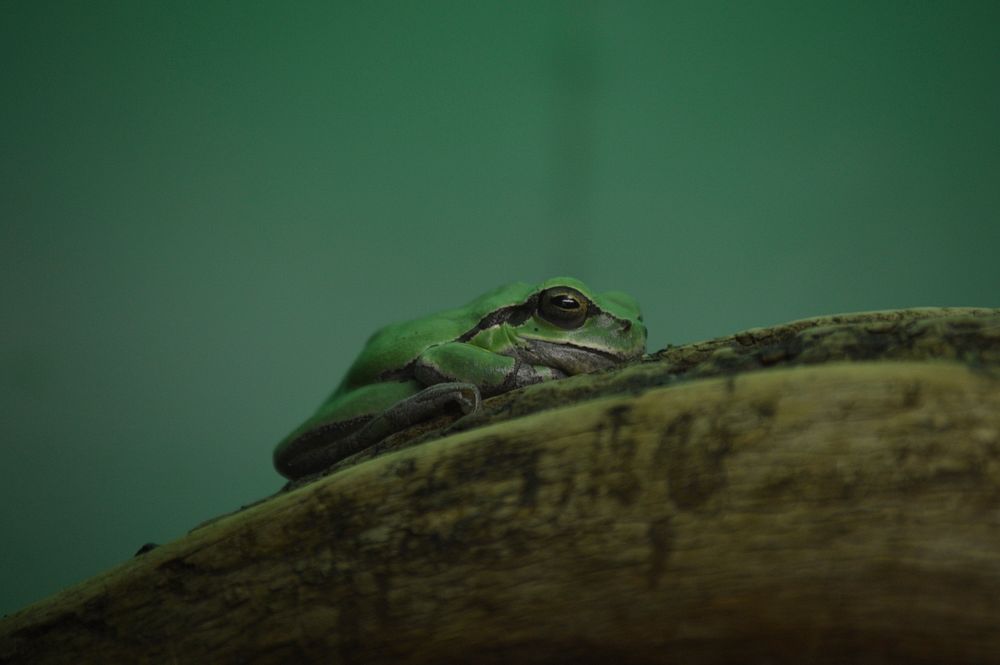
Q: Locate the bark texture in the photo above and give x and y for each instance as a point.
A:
(827, 513)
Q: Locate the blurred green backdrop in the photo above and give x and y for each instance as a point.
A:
(207, 208)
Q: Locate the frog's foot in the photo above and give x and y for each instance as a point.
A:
(429, 402)
(435, 398)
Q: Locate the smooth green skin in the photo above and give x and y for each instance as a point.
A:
(410, 371)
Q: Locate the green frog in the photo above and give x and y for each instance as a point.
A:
(513, 336)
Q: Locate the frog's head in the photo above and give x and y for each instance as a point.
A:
(574, 330)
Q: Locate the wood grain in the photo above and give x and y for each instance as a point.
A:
(843, 512)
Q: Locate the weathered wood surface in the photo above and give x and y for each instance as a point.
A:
(843, 512)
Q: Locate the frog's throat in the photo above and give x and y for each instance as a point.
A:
(565, 356)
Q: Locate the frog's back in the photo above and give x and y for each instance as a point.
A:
(395, 346)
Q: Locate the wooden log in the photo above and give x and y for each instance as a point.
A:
(823, 514)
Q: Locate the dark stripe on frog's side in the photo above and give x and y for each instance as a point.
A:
(515, 315)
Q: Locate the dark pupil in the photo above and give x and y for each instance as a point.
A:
(565, 302)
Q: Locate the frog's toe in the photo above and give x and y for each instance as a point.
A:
(468, 398)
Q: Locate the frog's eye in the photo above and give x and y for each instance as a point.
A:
(563, 307)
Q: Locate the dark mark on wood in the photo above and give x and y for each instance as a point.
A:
(661, 540)
(694, 463)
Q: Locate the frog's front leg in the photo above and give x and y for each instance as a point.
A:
(492, 373)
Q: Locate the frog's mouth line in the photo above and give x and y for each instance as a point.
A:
(568, 357)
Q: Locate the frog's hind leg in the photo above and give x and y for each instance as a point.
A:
(429, 402)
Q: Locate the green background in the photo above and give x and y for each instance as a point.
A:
(208, 207)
